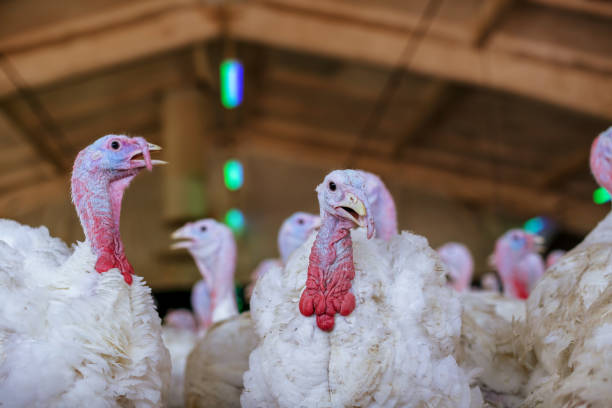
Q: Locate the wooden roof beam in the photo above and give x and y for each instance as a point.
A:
(596, 7)
(349, 38)
(576, 215)
(115, 36)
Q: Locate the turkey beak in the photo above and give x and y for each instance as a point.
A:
(181, 233)
(355, 209)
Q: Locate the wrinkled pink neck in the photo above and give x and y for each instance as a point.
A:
(98, 204)
(330, 273)
(512, 278)
(218, 272)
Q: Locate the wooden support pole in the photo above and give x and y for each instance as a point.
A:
(186, 132)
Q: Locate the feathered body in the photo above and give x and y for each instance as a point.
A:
(569, 314)
(395, 348)
(69, 334)
(218, 361)
(76, 326)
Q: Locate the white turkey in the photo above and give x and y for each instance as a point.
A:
(518, 262)
(352, 321)
(459, 263)
(77, 328)
(213, 249)
(180, 331)
(569, 314)
(293, 232)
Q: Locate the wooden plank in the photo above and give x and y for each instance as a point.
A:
(576, 215)
(488, 17)
(435, 96)
(565, 86)
(91, 51)
(556, 35)
(83, 22)
(597, 7)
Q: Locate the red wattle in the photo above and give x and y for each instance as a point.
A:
(329, 279)
(520, 289)
(107, 261)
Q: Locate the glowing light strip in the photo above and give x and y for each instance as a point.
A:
(601, 196)
(232, 81)
(233, 174)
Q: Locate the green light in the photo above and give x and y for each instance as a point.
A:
(601, 196)
(534, 225)
(233, 174)
(235, 220)
(231, 80)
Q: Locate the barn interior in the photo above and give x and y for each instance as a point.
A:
(477, 114)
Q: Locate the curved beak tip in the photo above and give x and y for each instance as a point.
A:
(153, 147)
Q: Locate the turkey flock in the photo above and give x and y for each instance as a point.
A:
(353, 313)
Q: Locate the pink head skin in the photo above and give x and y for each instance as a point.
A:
(295, 231)
(101, 173)
(459, 263)
(213, 248)
(180, 319)
(344, 205)
(553, 257)
(383, 206)
(517, 262)
(601, 159)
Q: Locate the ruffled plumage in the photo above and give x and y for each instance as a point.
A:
(395, 349)
(71, 336)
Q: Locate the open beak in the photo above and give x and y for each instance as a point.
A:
(142, 158)
(354, 209)
(183, 235)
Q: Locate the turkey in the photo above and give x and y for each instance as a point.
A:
(180, 332)
(353, 321)
(77, 327)
(382, 205)
(213, 248)
(293, 232)
(518, 262)
(459, 264)
(569, 314)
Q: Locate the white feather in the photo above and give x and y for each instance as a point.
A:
(70, 336)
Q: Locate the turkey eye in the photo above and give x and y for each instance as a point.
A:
(203, 228)
(332, 186)
(301, 221)
(115, 145)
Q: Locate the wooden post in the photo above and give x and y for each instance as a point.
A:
(187, 122)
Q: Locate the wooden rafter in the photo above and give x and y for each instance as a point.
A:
(576, 215)
(597, 7)
(368, 33)
(490, 14)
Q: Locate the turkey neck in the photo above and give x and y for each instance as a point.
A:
(513, 286)
(97, 196)
(218, 268)
(330, 273)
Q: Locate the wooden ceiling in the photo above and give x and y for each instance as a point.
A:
(492, 102)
